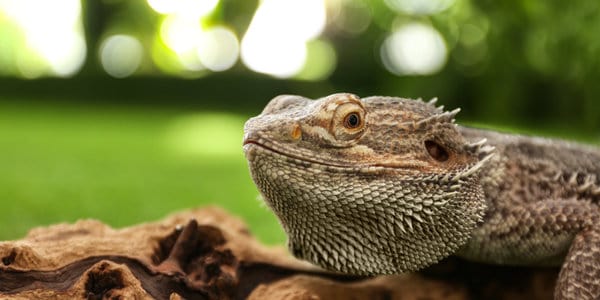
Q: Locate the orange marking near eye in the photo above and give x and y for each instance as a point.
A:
(296, 132)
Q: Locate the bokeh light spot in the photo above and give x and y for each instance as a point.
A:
(184, 63)
(184, 7)
(52, 31)
(350, 16)
(29, 64)
(9, 37)
(66, 54)
(190, 60)
(219, 49)
(472, 35)
(275, 42)
(185, 37)
(121, 55)
(414, 49)
(419, 7)
(180, 34)
(281, 59)
(321, 61)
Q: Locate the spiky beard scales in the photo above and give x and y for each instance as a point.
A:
(368, 221)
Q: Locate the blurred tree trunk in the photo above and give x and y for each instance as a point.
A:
(95, 15)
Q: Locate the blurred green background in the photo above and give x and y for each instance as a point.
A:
(128, 110)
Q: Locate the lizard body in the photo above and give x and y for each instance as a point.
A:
(386, 185)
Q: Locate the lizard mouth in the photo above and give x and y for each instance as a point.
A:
(260, 143)
(249, 143)
(257, 142)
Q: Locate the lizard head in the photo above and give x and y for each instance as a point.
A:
(379, 185)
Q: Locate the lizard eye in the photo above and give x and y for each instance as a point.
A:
(352, 120)
(348, 121)
(436, 151)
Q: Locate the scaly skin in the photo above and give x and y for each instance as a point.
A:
(385, 185)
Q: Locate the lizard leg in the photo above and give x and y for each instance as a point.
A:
(579, 277)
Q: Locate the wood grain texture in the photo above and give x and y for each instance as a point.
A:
(208, 254)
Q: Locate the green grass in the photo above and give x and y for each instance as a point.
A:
(121, 165)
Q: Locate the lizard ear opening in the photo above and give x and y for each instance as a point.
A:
(436, 151)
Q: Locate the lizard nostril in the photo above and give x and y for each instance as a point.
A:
(296, 132)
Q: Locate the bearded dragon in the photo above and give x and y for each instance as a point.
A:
(385, 185)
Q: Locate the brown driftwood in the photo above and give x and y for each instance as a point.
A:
(208, 254)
